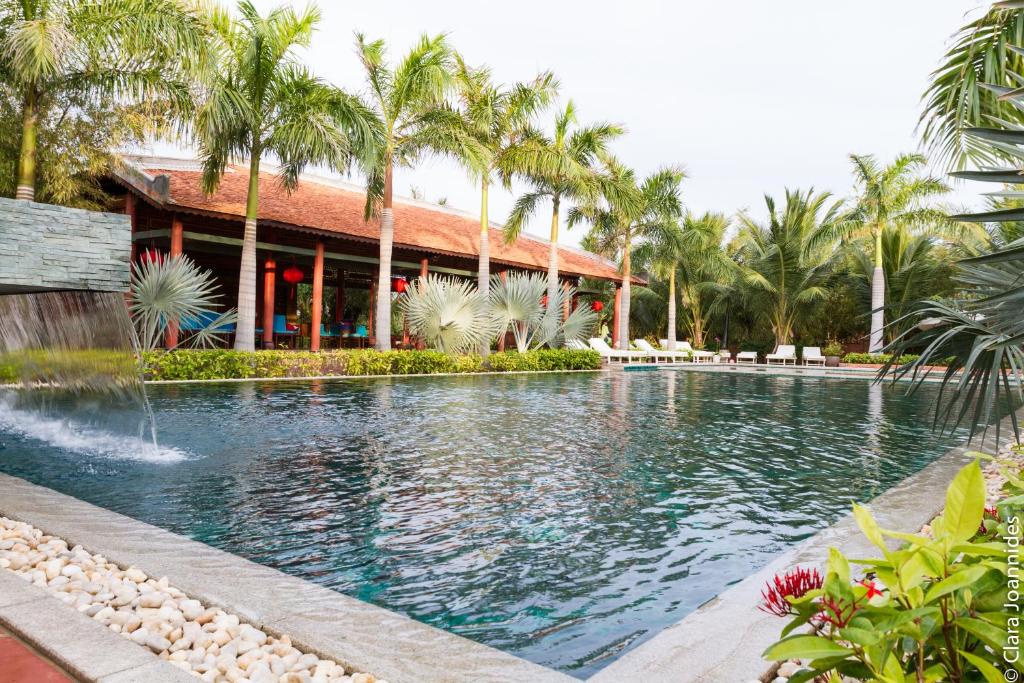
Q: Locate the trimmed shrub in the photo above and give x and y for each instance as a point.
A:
(876, 358)
(229, 364)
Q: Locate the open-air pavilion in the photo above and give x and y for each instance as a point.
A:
(316, 234)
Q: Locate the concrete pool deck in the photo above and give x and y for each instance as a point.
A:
(720, 641)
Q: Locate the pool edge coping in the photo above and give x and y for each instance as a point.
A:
(357, 634)
(722, 640)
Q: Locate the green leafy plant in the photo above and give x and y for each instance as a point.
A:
(833, 348)
(933, 610)
(884, 358)
(518, 302)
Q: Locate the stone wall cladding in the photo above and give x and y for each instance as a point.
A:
(49, 247)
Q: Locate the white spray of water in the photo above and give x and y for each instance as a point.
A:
(78, 438)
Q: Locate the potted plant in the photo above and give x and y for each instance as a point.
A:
(833, 351)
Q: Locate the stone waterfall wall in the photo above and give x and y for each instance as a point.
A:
(46, 247)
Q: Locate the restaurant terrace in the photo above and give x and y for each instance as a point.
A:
(316, 234)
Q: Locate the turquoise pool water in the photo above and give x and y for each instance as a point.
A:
(563, 518)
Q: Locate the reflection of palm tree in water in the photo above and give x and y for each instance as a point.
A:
(873, 426)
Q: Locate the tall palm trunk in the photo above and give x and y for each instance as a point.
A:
(698, 327)
(245, 334)
(553, 253)
(27, 161)
(627, 267)
(484, 268)
(387, 238)
(672, 309)
(877, 298)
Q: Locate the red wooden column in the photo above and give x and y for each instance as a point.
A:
(615, 316)
(177, 241)
(269, 280)
(424, 268)
(318, 297)
(566, 303)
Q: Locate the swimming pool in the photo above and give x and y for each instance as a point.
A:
(562, 518)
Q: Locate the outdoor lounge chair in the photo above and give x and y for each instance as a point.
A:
(812, 356)
(746, 357)
(611, 355)
(784, 353)
(669, 356)
(695, 355)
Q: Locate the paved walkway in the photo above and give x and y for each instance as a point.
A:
(21, 664)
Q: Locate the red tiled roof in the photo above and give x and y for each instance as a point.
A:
(323, 205)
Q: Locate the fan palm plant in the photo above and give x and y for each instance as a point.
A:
(449, 314)
(627, 211)
(519, 302)
(410, 100)
(786, 262)
(260, 100)
(125, 49)
(497, 118)
(558, 167)
(892, 196)
(167, 290)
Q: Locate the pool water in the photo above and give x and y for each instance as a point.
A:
(562, 518)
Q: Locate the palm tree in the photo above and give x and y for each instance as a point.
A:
(125, 49)
(786, 262)
(261, 100)
(892, 196)
(558, 167)
(410, 101)
(497, 118)
(971, 85)
(630, 211)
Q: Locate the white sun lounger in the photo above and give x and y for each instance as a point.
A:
(669, 356)
(747, 357)
(612, 355)
(784, 353)
(697, 356)
(812, 355)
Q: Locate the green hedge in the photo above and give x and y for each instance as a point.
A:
(879, 358)
(229, 364)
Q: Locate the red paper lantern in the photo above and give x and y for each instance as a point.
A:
(399, 284)
(597, 306)
(293, 275)
(151, 256)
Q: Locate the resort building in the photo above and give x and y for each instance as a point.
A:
(316, 234)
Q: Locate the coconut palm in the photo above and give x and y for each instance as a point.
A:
(558, 167)
(629, 210)
(261, 100)
(892, 196)
(968, 89)
(123, 49)
(410, 99)
(786, 262)
(497, 118)
(689, 255)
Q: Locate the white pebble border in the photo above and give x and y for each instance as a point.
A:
(207, 642)
(994, 481)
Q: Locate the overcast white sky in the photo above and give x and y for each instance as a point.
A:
(749, 96)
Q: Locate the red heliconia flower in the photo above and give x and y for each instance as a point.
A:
(872, 588)
(794, 584)
(990, 512)
(837, 612)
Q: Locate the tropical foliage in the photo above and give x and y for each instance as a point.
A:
(934, 610)
(448, 314)
(261, 100)
(519, 303)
